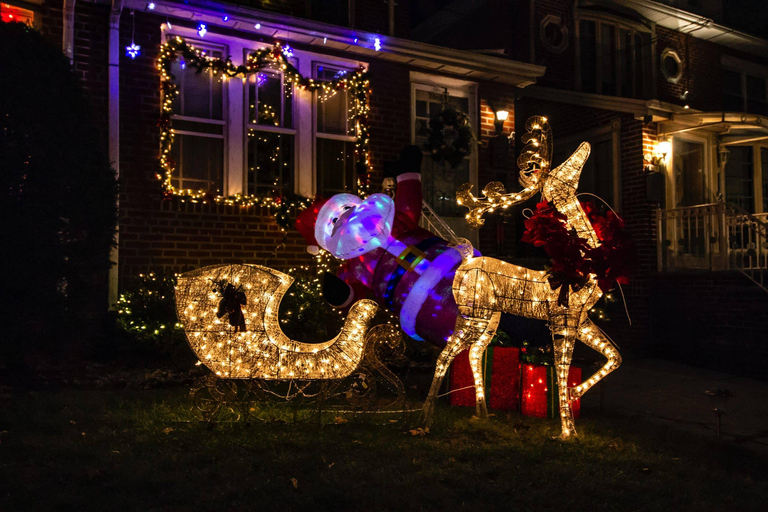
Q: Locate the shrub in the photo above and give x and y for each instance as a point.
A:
(57, 202)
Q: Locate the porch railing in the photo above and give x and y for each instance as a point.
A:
(716, 236)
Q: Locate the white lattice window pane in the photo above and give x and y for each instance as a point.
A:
(335, 166)
(200, 163)
(270, 163)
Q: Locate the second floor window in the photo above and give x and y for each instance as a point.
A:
(615, 59)
(271, 134)
(335, 137)
(743, 92)
(199, 125)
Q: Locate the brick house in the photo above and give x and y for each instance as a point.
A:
(674, 104)
(225, 147)
(626, 75)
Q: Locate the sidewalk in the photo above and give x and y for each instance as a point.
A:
(673, 393)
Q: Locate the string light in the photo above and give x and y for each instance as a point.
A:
(485, 287)
(377, 44)
(355, 82)
(257, 26)
(261, 350)
(202, 30)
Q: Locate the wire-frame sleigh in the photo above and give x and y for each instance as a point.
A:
(230, 317)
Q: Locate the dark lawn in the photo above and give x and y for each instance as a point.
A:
(101, 450)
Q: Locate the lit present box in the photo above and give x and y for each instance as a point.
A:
(502, 379)
(539, 391)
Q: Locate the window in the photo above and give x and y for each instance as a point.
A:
(746, 177)
(600, 174)
(554, 34)
(739, 187)
(261, 136)
(689, 173)
(11, 13)
(744, 92)
(199, 126)
(671, 66)
(271, 136)
(335, 137)
(439, 180)
(614, 59)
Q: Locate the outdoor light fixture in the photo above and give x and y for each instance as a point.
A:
(499, 145)
(501, 116)
(657, 160)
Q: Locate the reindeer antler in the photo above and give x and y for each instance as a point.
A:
(535, 157)
(537, 153)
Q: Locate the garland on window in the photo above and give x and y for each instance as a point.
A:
(356, 82)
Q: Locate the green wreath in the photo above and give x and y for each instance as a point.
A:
(438, 147)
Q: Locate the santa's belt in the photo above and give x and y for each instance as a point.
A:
(407, 261)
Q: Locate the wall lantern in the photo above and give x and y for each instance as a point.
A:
(654, 162)
(499, 145)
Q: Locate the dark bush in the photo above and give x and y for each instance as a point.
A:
(57, 203)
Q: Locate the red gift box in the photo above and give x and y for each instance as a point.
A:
(539, 396)
(502, 379)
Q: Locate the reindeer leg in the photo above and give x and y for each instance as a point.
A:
(564, 338)
(456, 343)
(476, 352)
(594, 338)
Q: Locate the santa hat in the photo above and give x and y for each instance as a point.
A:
(305, 224)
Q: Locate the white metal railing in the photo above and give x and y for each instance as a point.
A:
(716, 236)
(435, 224)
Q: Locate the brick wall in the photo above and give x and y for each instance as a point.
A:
(560, 66)
(701, 71)
(710, 319)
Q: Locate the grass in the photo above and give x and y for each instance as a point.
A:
(103, 450)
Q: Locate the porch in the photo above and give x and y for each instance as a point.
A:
(716, 237)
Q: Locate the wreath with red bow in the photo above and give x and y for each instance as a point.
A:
(573, 260)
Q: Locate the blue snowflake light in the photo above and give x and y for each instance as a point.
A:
(202, 30)
(287, 51)
(377, 44)
(133, 51)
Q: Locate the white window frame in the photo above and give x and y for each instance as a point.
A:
(267, 128)
(744, 68)
(710, 157)
(649, 82)
(236, 109)
(348, 66)
(462, 89)
(757, 174)
(223, 48)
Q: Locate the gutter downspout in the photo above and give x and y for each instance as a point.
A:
(68, 30)
(113, 109)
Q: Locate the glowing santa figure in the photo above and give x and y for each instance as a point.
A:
(389, 258)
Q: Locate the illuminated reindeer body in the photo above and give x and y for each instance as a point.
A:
(486, 287)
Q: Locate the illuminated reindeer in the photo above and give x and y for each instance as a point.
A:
(485, 287)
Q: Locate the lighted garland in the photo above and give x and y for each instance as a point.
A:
(356, 82)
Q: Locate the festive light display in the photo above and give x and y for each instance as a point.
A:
(230, 316)
(485, 287)
(407, 269)
(275, 58)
